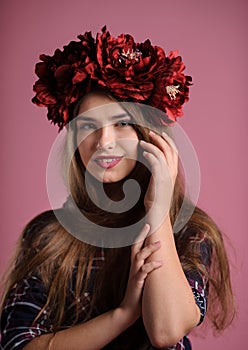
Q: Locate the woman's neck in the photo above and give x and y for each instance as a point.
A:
(114, 190)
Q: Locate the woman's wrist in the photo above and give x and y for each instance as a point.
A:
(156, 217)
(160, 232)
(125, 315)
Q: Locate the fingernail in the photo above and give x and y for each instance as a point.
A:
(152, 133)
(157, 243)
(159, 262)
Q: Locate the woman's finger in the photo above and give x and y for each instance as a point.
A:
(164, 143)
(158, 157)
(148, 250)
(165, 137)
(153, 161)
(163, 149)
(172, 145)
(136, 247)
(146, 269)
(153, 149)
(143, 254)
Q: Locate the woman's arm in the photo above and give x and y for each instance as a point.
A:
(168, 306)
(93, 334)
(101, 330)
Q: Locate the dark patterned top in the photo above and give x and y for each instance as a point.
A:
(28, 297)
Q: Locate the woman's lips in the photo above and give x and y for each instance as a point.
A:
(107, 162)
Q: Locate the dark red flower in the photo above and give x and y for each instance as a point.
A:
(64, 77)
(128, 70)
(137, 72)
(171, 88)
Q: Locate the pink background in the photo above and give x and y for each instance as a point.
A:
(210, 35)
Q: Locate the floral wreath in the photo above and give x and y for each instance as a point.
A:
(132, 72)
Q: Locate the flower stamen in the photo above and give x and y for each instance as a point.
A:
(129, 55)
(172, 90)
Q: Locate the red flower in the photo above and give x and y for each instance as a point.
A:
(137, 72)
(128, 69)
(171, 88)
(64, 77)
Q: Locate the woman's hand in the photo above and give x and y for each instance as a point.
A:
(162, 156)
(139, 271)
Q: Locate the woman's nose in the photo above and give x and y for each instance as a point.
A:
(106, 137)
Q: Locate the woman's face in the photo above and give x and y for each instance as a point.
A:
(107, 142)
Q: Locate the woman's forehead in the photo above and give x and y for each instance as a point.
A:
(101, 111)
(93, 100)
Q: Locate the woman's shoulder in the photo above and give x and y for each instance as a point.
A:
(43, 223)
(42, 220)
(37, 238)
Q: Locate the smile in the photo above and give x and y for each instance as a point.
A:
(108, 162)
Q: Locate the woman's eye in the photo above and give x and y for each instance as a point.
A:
(88, 126)
(123, 123)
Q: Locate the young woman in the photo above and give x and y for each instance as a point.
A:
(143, 287)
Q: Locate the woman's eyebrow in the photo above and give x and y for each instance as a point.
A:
(92, 119)
(85, 118)
(119, 116)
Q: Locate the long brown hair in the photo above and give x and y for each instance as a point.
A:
(47, 250)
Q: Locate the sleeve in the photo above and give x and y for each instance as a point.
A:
(200, 295)
(198, 280)
(22, 305)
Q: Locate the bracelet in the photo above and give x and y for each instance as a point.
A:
(51, 341)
